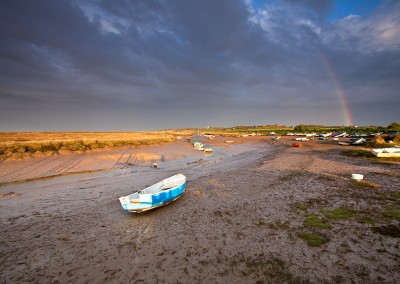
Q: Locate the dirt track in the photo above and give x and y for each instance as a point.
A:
(239, 220)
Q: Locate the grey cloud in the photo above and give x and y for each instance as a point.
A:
(193, 57)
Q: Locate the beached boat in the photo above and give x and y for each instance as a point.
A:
(198, 145)
(326, 134)
(208, 150)
(296, 144)
(337, 135)
(357, 141)
(386, 152)
(302, 139)
(156, 195)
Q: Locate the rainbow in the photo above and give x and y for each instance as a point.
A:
(340, 92)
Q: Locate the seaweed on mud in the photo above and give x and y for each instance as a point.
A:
(278, 225)
(269, 270)
(390, 230)
(314, 239)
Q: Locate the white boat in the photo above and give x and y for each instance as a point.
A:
(198, 145)
(342, 134)
(302, 139)
(357, 141)
(156, 195)
(326, 134)
(386, 152)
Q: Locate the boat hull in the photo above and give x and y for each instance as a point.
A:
(386, 152)
(151, 201)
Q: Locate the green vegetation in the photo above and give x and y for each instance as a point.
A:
(393, 213)
(278, 225)
(365, 184)
(338, 213)
(260, 222)
(314, 221)
(395, 195)
(314, 239)
(303, 206)
(394, 126)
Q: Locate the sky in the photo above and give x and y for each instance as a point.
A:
(92, 65)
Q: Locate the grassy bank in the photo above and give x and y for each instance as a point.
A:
(29, 143)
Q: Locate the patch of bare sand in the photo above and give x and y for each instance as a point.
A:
(239, 221)
(105, 160)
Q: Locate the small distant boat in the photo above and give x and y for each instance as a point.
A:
(276, 138)
(302, 139)
(156, 195)
(229, 141)
(296, 144)
(208, 150)
(326, 134)
(198, 145)
(386, 152)
(323, 138)
(337, 135)
(357, 141)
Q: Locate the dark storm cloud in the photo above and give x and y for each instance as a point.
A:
(137, 59)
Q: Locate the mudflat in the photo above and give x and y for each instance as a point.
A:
(254, 211)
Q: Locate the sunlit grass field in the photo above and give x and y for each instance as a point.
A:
(42, 142)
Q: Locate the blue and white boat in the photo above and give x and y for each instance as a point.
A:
(156, 195)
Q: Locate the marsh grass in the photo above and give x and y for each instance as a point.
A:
(393, 213)
(260, 222)
(395, 195)
(314, 239)
(338, 214)
(314, 221)
(279, 225)
(29, 143)
(303, 206)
